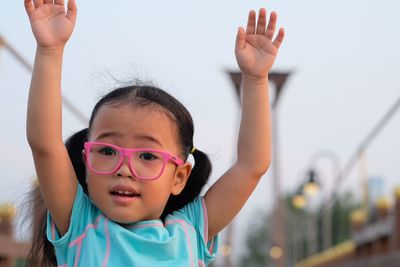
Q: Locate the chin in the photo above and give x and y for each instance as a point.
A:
(123, 219)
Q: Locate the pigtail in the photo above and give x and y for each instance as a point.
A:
(200, 173)
(74, 145)
(42, 251)
(197, 180)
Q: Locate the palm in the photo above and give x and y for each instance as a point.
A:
(50, 25)
(258, 56)
(255, 49)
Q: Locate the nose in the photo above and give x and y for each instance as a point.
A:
(124, 170)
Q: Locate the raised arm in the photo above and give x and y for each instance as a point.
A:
(255, 53)
(52, 26)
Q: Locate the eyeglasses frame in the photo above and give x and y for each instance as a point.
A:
(127, 153)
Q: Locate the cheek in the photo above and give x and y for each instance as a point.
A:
(166, 185)
(94, 183)
(89, 183)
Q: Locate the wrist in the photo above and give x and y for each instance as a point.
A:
(246, 79)
(50, 51)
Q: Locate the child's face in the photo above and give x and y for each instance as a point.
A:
(131, 126)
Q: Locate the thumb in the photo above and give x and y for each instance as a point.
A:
(72, 11)
(240, 39)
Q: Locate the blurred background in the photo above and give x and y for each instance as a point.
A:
(330, 195)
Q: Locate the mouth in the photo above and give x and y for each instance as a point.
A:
(124, 192)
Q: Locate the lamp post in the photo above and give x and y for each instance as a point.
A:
(327, 211)
(278, 79)
(310, 187)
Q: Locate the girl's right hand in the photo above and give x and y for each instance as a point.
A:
(52, 26)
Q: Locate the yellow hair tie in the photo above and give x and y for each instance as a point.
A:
(193, 150)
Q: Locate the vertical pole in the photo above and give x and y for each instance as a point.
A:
(327, 226)
(362, 162)
(396, 230)
(228, 245)
(278, 233)
(236, 78)
(279, 79)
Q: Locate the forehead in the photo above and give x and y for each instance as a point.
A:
(130, 125)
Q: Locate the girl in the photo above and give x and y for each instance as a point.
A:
(121, 193)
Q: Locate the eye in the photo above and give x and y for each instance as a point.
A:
(107, 151)
(148, 156)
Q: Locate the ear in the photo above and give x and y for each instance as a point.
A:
(84, 156)
(181, 176)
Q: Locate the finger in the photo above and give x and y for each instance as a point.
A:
(59, 2)
(271, 26)
(29, 7)
(262, 21)
(72, 10)
(279, 38)
(251, 22)
(38, 3)
(240, 39)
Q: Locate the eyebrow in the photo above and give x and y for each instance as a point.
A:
(140, 137)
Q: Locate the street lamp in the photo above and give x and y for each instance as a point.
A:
(309, 188)
(313, 183)
(299, 200)
(327, 210)
(312, 186)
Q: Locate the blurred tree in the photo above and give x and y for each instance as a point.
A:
(259, 239)
(341, 225)
(257, 242)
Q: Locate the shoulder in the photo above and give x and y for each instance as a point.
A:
(194, 212)
(194, 216)
(83, 213)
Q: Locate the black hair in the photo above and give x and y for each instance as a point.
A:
(42, 252)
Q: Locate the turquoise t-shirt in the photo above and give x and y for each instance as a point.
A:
(94, 240)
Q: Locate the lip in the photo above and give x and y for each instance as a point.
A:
(121, 200)
(124, 188)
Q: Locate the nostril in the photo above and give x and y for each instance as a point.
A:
(124, 171)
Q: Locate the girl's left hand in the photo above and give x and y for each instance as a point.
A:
(255, 48)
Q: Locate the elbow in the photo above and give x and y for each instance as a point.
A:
(256, 169)
(37, 149)
(262, 168)
(35, 144)
(32, 142)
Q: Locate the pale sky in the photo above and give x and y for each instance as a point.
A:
(343, 54)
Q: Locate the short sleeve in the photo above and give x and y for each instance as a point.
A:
(82, 213)
(196, 213)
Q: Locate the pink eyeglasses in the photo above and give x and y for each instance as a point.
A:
(144, 163)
